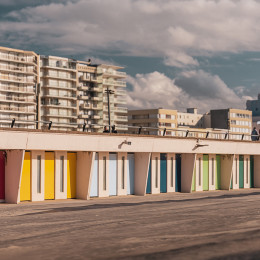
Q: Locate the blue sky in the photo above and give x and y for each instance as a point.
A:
(177, 53)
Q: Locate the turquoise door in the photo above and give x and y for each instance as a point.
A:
(112, 174)
(163, 172)
(94, 179)
(251, 171)
(130, 173)
(241, 171)
(178, 173)
(148, 187)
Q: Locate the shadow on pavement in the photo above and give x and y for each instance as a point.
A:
(117, 205)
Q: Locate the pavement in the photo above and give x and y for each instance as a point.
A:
(201, 225)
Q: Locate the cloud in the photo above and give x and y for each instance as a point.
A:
(174, 30)
(190, 89)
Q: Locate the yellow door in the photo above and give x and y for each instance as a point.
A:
(25, 189)
(71, 175)
(49, 176)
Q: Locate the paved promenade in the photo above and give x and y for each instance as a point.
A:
(202, 225)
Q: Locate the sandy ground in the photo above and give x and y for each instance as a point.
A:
(202, 225)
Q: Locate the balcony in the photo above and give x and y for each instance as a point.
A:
(120, 109)
(60, 67)
(60, 87)
(121, 118)
(17, 110)
(13, 99)
(18, 70)
(81, 97)
(17, 59)
(96, 98)
(119, 101)
(117, 83)
(68, 97)
(112, 73)
(58, 105)
(83, 116)
(59, 115)
(55, 76)
(19, 80)
(120, 92)
(22, 90)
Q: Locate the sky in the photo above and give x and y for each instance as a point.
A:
(177, 53)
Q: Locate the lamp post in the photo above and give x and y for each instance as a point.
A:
(108, 91)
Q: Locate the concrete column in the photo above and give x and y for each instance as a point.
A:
(235, 172)
(142, 161)
(103, 174)
(187, 170)
(121, 189)
(37, 195)
(155, 173)
(199, 172)
(85, 162)
(171, 166)
(59, 193)
(226, 171)
(257, 171)
(13, 173)
(212, 171)
(246, 171)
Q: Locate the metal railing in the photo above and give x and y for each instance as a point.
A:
(219, 134)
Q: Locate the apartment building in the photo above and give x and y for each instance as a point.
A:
(151, 120)
(254, 106)
(58, 81)
(237, 121)
(19, 78)
(191, 118)
(60, 93)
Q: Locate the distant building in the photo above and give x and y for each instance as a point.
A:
(254, 106)
(151, 120)
(237, 121)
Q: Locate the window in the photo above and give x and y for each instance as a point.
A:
(104, 173)
(39, 174)
(123, 173)
(62, 173)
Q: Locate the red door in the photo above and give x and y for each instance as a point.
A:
(2, 175)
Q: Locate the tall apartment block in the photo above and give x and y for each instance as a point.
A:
(19, 78)
(69, 93)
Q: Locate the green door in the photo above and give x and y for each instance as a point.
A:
(205, 172)
(218, 173)
(251, 171)
(241, 171)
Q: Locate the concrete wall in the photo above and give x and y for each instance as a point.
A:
(171, 166)
(155, 173)
(13, 172)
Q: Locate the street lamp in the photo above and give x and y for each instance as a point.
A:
(108, 91)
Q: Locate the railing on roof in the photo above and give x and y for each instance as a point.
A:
(219, 134)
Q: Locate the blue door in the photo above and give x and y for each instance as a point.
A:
(148, 187)
(178, 173)
(112, 174)
(163, 172)
(130, 173)
(94, 179)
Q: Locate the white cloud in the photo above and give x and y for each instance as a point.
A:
(191, 89)
(172, 29)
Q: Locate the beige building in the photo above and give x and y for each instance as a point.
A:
(69, 93)
(191, 118)
(151, 120)
(237, 121)
(19, 78)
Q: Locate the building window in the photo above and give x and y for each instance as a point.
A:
(104, 173)
(62, 173)
(39, 174)
(123, 173)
